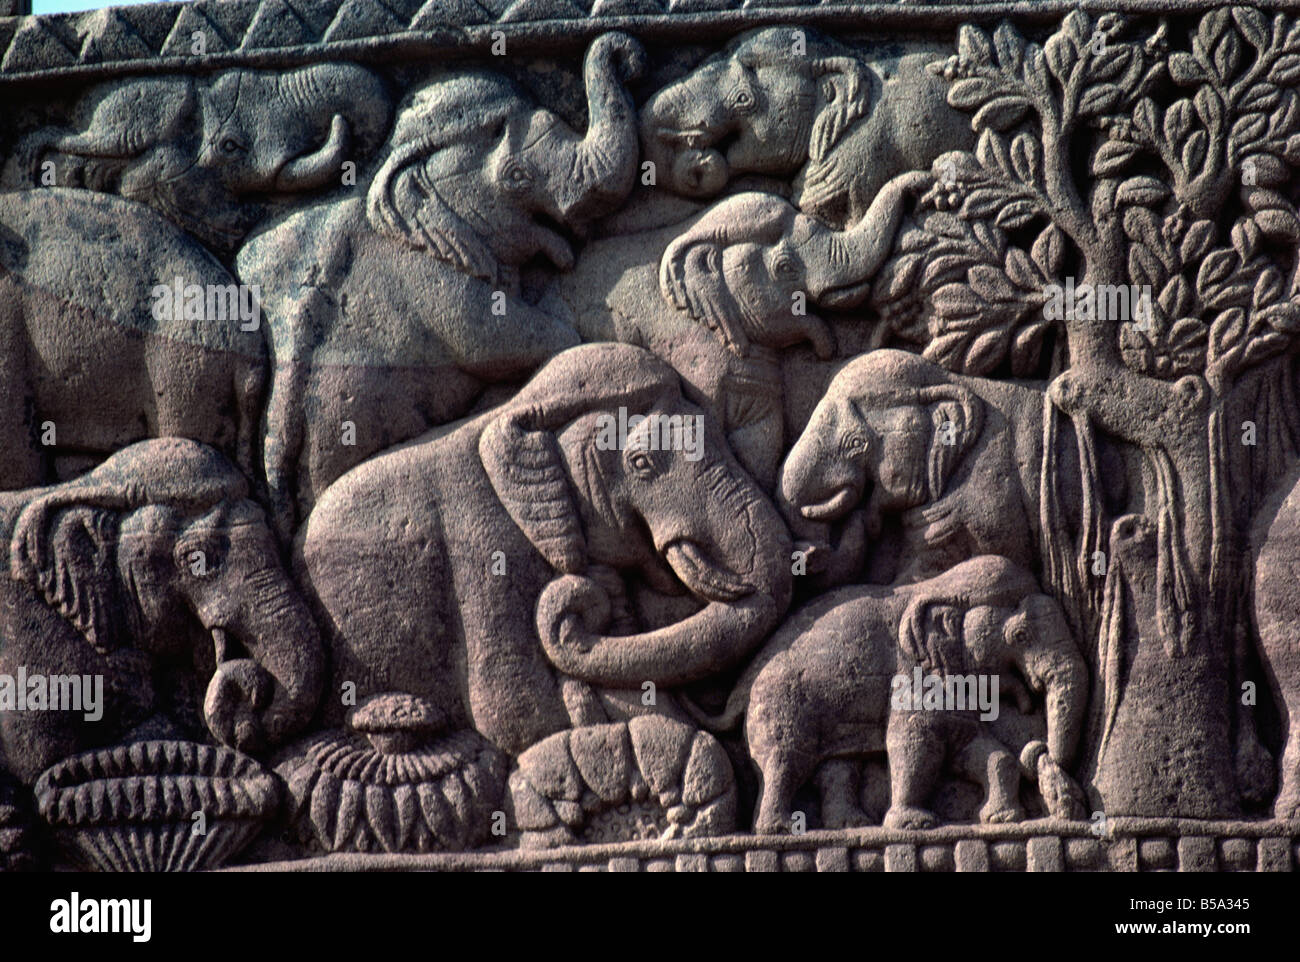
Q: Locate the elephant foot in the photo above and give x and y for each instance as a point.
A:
(548, 838)
(907, 817)
(844, 815)
(1287, 806)
(992, 814)
(1254, 769)
(771, 825)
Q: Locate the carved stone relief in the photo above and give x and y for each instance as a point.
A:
(683, 437)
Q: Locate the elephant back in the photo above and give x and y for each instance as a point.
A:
(105, 256)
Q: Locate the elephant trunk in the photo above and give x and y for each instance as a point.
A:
(708, 641)
(278, 632)
(804, 495)
(601, 168)
(745, 601)
(679, 127)
(315, 169)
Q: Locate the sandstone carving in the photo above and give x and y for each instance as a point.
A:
(523, 503)
(204, 154)
(130, 808)
(561, 434)
(822, 691)
(104, 358)
(158, 550)
(473, 176)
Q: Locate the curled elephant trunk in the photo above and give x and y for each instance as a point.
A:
(317, 168)
(572, 608)
(281, 679)
(742, 608)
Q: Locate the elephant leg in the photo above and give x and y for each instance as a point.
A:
(780, 779)
(837, 784)
(916, 752)
(1287, 804)
(986, 761)
(22, 465)
(282, 443)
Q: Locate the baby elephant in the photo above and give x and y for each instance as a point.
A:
(823, 690)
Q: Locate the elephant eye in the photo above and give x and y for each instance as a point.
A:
(853, 444)
(786, 268)
(230, 146)
(640, 462)
(516, 177)
(743, 100)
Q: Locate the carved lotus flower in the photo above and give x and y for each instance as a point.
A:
(393, 783)
(132, 808)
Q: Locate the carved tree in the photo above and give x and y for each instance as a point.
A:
(1106, 159)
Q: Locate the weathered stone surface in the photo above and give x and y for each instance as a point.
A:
(622, 436)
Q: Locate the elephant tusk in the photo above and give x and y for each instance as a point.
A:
(833, 507)
(315, 169)
(221, 644)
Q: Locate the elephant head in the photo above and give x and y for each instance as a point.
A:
(266, 132)
(773, 99)
(892, 427)
(664, 497)
(159, 548)
(480, 176)
(207, 154)
(747, 267)
(783, 101)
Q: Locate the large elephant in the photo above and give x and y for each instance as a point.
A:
(157, 572)
(205, 153)
(954, 461)
(94, 356)
(491, 568)
(390, 315)
(785, 101)
(824, 689)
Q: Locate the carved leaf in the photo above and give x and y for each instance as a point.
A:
(1113, 156)
(1141, 190)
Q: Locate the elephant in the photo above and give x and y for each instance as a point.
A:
(953, 462)
(391, 315)
(782, 101)
(156, 571)
(89, 363)
(206, 153)
(490, 566)
(730, 291)
(824, 689)
(1276, 546)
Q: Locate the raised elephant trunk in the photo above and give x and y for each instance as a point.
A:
(602, 166)
(849, 259)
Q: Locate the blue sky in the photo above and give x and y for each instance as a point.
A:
(69, 6)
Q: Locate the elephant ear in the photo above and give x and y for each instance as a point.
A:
(956, 418)
(78, 576)
(528, 475)
(930, 635)
(520, 453)
(846, 90)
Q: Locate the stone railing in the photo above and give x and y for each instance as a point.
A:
(1131, 845)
